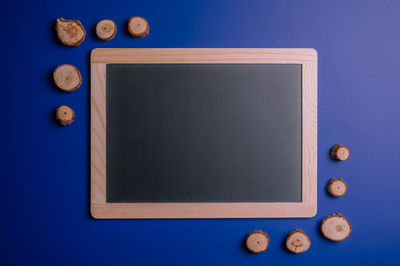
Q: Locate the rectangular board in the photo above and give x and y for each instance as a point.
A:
(198, 133)
(203, 133)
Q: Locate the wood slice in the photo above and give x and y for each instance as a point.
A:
(257, 241)
(67, 77)
(138, 27)
(70, 31)
(65, 115)
(297, 241)
(335, 227)
(340, 152)
(106, 29)
(337, 187)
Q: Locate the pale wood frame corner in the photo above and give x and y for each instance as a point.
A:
(306, 208)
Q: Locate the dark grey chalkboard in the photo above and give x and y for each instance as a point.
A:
(203, 133)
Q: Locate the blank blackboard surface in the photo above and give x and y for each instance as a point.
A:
(203, 133)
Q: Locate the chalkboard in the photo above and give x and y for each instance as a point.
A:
(202, 133)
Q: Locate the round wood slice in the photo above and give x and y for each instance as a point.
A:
(337, 187)
(70, 31)
(340, 152)
(257, 241)
(297, 241)
(67, 77)
(106, 29)
(335, 227)
(138, 27)
(65, 115)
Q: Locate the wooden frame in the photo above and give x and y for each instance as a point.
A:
(306, 208)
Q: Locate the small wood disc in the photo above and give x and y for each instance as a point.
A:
(138, 27)
(65, 115)
(70, 31)
(340, 152)
(337, 187)
(297, 241)
(257, 241)
(106, 29)
(67, 77)
(335, 227)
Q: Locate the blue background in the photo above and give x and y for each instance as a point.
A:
(45, 167)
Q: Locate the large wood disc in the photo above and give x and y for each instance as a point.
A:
(106, 29)
(257, 241)
(297, 241)
(70, 31)
(335, 227)
(337, 187)
(65, 115)
(340, 152)
(138, 27)
(67, 77)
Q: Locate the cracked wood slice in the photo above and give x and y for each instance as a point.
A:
(138, 27)
(337, 187)
(297, 241)
(340, 152)
(70, 32)
(257, 241)
(65, 115)
(106, 29)
(335, 227)
(67, 77)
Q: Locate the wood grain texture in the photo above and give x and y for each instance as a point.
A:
(310, 133)
(203, 55)
(257, 241)
(101, 209)
(201, 210)
(98, 134)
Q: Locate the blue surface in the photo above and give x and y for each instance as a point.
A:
(45, 168)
